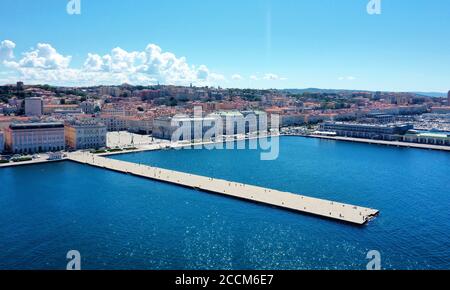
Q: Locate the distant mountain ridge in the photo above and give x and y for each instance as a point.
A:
(333, 91)
(432, 94)
(317, 90)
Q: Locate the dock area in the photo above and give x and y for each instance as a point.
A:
(384, 143)
(294, 202)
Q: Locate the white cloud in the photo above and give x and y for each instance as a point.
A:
(118, 61)
(202, 72)
(96, 63)
(7, 50)
(273, 77)
(347, 78)
(267, 77)
(237, 77)
(42, 57)
(152, 65)
(215, 77)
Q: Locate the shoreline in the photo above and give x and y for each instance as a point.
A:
(158, 147)
(143, 148)
(379, 142)
(28, 163)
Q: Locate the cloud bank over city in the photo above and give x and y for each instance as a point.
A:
(152, 65)
(7, 50)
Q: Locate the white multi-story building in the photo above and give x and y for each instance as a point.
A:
(114, 123)
(236, 123)
(192, 128)
(31, 138)
(34, 107)
(85, 135)
(233, 122)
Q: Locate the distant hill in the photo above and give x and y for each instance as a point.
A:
(316, 90)
(432, 94)
(333, 91)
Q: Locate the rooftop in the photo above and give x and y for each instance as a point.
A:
(429, 134)
(25, 126)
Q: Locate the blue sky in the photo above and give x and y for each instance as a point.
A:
(232, 43)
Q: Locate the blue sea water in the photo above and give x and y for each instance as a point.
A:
(118, 221)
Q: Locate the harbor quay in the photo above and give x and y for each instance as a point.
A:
(294, 202)
(382, 142)
(144, 144)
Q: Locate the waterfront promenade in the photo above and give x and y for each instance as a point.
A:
(141, 147)
(42, 159)
(294, 202)
(381, 142)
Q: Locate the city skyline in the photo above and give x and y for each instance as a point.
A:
(256, 44)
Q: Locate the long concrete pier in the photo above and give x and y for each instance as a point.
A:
(324, 208)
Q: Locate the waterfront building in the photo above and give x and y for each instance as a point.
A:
(34, 137)
(448, 98)
(259, 117)
(2, 142)
(34, 107)
(245, 122)
(165, 127)
(367, 131)
(85, 134)
(431, 138)
(233, 122)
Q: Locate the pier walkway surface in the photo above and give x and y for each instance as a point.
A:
(324, 208)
